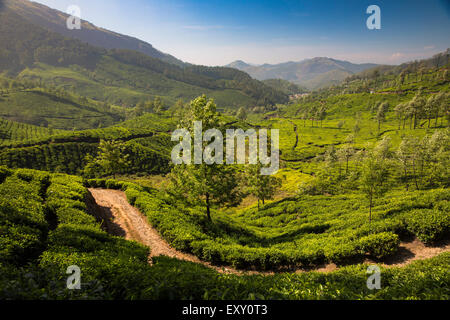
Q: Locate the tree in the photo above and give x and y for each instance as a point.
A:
(430, 108)
(158, 105)
(400, 112)
(346, 152)
(416, 106)
(322, 114)
(204, 184)
(177, 109)
(444, 108)
(111, 159)
(357, 126)
(313, 113)
(263, 187)
(383, 148)
(373, 175)
(404, 156)
(139, 109)
(439, 158)
(241, 114)
(381, 113)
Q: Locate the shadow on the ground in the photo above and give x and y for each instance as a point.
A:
(105, 216)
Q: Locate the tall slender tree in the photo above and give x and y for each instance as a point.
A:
(205, 184)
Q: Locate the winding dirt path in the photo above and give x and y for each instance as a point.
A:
(122, 219)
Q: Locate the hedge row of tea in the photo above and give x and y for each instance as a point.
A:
(146, 154)
(11, 131)
(113, 268)
(23, 223)
(303, 232)
(46, 228)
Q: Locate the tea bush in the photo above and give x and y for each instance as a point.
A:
(380, 245)
(430, 225)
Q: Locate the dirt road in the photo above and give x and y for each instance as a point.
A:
(122, 219)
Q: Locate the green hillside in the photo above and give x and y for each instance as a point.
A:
(51, 109)
(285, 86)
(37, 246)
(86, 162)
(119, 76)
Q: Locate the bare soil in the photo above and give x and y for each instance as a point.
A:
(122, 219)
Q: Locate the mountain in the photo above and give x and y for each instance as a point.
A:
(437, 61)
(311, 73)
(239, 64)
(285, 86)
(55, 21)
(118, 76)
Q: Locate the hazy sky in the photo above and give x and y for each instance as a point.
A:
(217, 32)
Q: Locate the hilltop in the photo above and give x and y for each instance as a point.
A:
(310, 73)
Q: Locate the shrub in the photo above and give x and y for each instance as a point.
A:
(4, 172)
(379, 245)
(429, 225)
(341, 252)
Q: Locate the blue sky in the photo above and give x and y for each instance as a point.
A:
(217, 32)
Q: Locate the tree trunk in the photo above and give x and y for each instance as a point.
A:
(414, 173)
(406, 178)
(208, 210)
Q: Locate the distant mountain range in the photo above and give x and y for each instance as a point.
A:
(310, 73)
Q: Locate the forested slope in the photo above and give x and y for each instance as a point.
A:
(118, 76)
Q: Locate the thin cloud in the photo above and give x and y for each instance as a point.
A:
(202, 28)
(397, 55)
(429, 47)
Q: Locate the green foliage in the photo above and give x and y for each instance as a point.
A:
(52, 108)
(285, 86)
(380, 245)
(113, 268)
(206, 184)
(111, 159)
(304, 231)
(23, 221)
(263, 187)
(430, 225)
(146, 150)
